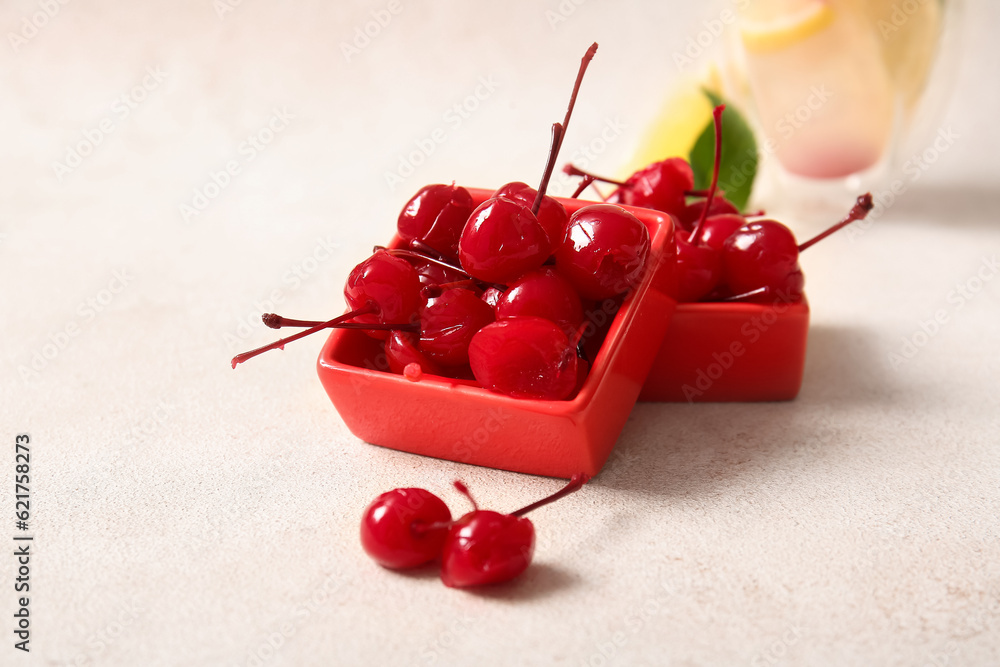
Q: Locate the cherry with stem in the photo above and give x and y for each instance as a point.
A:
(276, 322)
(515, 231)
(766, 254)
(571, 169)
(486, 547)
(699, 265)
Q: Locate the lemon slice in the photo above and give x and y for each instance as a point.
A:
(787, 29)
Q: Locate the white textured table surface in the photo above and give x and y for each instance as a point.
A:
(187, 514)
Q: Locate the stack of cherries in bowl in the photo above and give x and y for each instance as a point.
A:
(496, 293)
(493, 293)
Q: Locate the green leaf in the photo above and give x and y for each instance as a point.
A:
(738, 166)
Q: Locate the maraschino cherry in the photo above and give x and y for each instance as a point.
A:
(405, 528)
(661, 186)
(448, 322)
(764, 255)
(435, 217)
(699, 266)
(542, 293)
(383, 293)
(402, 349)
(485, 547)
(604, 251)
(387, 284)
(524, 357)
(719, 227)
(552, 215)
(504, 238)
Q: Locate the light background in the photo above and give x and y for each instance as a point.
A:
(187, 514)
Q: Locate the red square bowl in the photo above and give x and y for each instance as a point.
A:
(460, 421)
(730, 352)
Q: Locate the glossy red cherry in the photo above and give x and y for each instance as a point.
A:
(718, 228)
(435, 216)
(699, 270)
(699, 266)
(604, 251)
(402, 350)
(384, 295)
(763, 254)
(388, 285)
(543, 293)
(448, 322)
(524, 357)
(405, 528)
(661, 186)
(485, 547)
(503, 238)
(552, 215)
(501, 241)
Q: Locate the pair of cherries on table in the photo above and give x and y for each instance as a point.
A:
(406, 528)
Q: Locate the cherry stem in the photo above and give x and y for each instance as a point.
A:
(413, 254)
(584, 184)
(277, 322)
(572, 170)
(462, 488)
(557, 141)
(696, 193)
(575, 483)
(423, 248)
(557, 134)
(858, 212)
(717, 119)
(240, 358)
(584, 63)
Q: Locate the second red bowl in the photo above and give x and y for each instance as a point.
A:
(730, 352)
